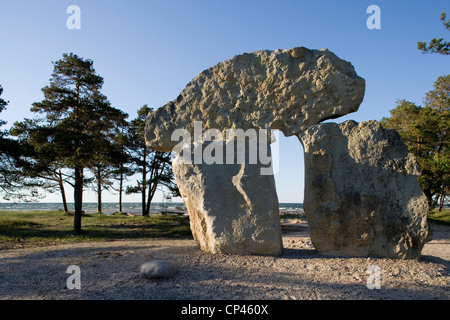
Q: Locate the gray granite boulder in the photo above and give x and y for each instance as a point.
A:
(156, 269)
(362, 197)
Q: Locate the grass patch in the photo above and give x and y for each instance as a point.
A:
(36, 228)
(442, 217)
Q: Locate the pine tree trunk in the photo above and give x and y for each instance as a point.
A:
(99, 196)
(441, 202)
(78, 199)
(149, 201)
(144, 183)
(120, 188)
(63, 191)
(144, 207)
(429, 197)
(151, 194)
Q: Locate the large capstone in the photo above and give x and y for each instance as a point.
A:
(288, 90)
(362, 197)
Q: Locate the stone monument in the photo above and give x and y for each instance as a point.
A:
(362, 197)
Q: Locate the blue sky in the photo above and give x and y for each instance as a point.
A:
(147, 51)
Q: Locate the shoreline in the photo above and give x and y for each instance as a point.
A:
(138, 211)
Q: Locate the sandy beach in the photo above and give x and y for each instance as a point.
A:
(110, 270)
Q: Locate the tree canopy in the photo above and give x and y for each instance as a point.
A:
(425, 131)
(437, 45)
(13, 184)
(154, 166)
(3, 105)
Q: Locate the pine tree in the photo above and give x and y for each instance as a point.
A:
(437, 45)
(122, 160)
(12, 183)
(75, 117)
(154, 166)
(106, 153)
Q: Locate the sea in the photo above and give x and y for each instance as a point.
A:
(128, 207)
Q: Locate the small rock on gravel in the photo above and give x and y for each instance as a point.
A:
(157, 269)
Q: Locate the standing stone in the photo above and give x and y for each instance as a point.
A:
(233, 208)
(362, 197)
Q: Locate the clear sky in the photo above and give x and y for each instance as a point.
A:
(147, 51)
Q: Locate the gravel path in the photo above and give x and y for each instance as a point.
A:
(110, 270)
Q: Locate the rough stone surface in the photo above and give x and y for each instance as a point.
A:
(157, 269)
(362, 197)
(288, 90)
(233, 208)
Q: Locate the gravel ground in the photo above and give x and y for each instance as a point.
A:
(110, 270)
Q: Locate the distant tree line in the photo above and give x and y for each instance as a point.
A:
(78, 138)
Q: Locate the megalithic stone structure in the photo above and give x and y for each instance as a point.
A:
(292, 91)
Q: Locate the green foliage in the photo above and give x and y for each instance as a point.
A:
(107, 155)
(437, 45)
(3, 105)
(426, 133)
(13, 185)
(76, 115)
